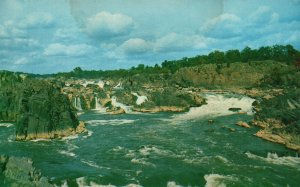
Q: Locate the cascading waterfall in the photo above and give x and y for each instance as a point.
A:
(98, 106)
(114, 102)
(218, 105)
(77, 103)
(140, 98)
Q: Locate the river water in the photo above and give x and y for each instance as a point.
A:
(162, 149)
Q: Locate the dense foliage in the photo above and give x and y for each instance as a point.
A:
(280, 53)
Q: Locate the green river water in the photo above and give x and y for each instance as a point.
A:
(162, 149)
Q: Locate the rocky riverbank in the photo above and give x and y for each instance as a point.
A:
(37, 107)
(16, 171)
(273, 130)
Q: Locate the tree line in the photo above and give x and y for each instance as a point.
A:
(282, 53)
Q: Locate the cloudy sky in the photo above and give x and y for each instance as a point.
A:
(47, 36)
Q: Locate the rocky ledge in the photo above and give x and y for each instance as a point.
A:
(53, 134)
(268, 132)
(37, 107)
(16, 171)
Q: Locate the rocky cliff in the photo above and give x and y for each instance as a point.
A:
(38, 108)
(239, 75)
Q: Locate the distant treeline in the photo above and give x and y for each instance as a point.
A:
(287, 54)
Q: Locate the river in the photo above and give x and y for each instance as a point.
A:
(162, 149)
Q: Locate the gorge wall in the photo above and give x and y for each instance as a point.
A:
(37, 107)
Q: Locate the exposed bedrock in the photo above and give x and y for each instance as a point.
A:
(16, 171)
(38, 108)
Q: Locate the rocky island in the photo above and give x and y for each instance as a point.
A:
(37, 107)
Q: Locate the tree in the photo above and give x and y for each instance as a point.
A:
(140, 67)
(217, 57)
(233, 56)
(246, 54)
(77, 70)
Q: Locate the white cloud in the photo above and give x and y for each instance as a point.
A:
(263, 15)
(37, 19)
(105, 24)
(222, 19)
(223, 26)
(67, 34)
(58, 49)
(19, 43)
(20, 61)
(178, 42)
(9, 30)
(136, 46)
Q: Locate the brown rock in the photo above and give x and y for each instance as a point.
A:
(270, 137)
(243, 124)
(81, 127)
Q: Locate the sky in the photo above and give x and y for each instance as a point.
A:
(49, 36)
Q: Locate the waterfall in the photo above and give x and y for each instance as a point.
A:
(118, 86)
(98, 106)
(77, 103)
(140, 98)
(218, 105)
(114, 102)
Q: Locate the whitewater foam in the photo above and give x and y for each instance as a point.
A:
(218, 105)
(275, 159)
(72, 137)
(133, 185)
(89, 133)
(40, 140)
(199, 160)
(141, 161)
(65, 184)
(110, 122)
(98, 106)
(81, 182)
(149, 149)
(216, 180)
(140, 98)
(173, 184)
(6, 124)
(90, 163)
(126, 108)
(67, 153)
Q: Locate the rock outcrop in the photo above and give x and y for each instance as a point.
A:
(38, 107)
(17, 171)
(243, 124)
(159, 99)
(43, 112)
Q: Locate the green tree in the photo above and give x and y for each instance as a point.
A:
(246, 54)
(232, 56)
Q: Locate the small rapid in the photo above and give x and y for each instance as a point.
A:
(219, 105)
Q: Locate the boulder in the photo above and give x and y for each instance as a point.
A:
(243, 124)
(233, 109)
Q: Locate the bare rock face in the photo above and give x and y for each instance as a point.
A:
(43, 112)
(17, 171)
(38, 107)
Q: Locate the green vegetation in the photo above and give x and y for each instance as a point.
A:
(279, 53)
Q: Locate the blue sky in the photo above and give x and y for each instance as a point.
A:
(49, 36)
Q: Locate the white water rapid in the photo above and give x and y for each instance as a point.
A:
(218, 105)
(115, 103)
(98, 106)
(140, 98)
